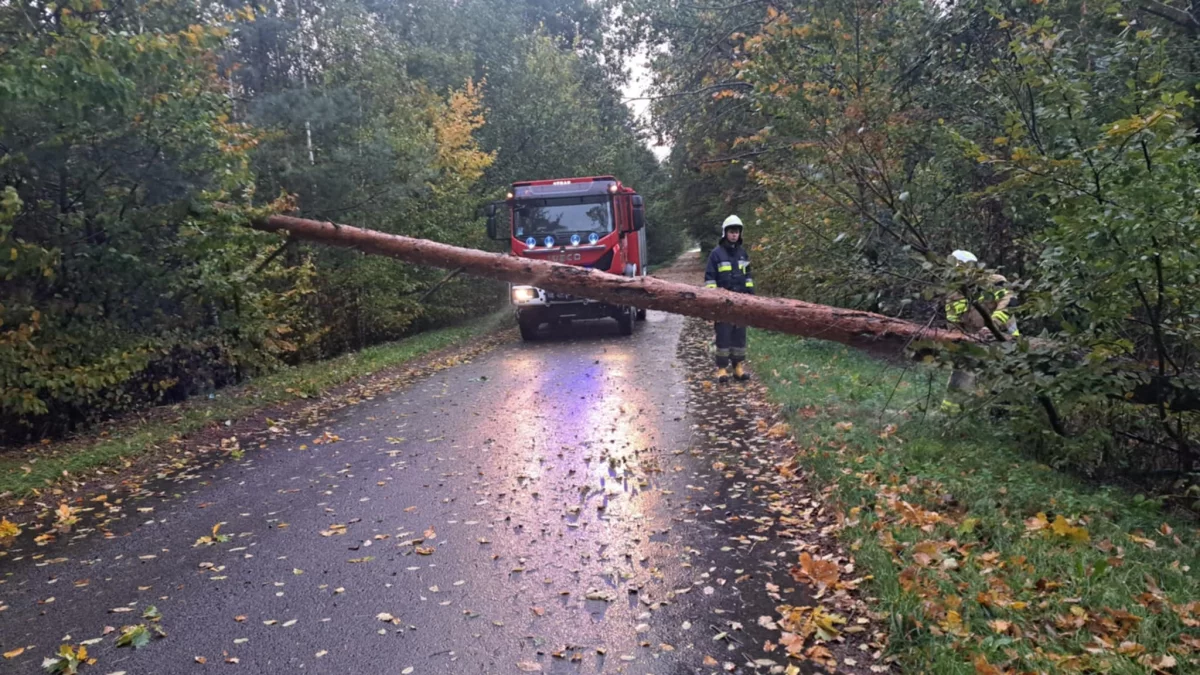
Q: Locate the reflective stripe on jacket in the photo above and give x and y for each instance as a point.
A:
(957, 310)
(729, 268)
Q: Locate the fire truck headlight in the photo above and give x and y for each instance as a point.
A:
(524, 294)
(593, 238)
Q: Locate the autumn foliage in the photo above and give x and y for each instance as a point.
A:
(1056, 141)
(124, 125)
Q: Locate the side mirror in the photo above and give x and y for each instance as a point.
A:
(639, 213)
(491, 211)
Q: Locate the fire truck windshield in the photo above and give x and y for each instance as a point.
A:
(563, 215)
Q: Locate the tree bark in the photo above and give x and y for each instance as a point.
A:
(863, 330)
(850, 327)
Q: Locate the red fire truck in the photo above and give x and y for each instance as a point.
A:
(592, 222)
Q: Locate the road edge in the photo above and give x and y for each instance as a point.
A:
(186, 432)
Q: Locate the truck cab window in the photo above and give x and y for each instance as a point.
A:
(563, 215)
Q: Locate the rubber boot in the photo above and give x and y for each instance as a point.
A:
(722, 375)
(739, 372)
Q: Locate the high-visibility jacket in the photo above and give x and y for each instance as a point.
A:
(729, 268)
(959, 311)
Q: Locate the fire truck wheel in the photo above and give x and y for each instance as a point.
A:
(625, 320)
(529, 327)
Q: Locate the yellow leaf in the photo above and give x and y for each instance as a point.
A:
(1148, 543)
(1036, 523)
(953, 623)
(779, 431)
(14, 653)
(8, 530)
(1067, 531)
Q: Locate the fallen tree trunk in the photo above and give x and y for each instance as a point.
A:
(863, 330)
(786, 316)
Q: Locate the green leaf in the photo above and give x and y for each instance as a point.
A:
(134, 636)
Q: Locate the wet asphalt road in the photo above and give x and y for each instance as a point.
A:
(550, 505)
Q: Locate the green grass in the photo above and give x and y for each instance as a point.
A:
(21, 474)
(1026, 599)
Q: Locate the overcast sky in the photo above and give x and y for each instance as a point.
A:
(638, 88)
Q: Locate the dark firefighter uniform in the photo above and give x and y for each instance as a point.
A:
(729, 268)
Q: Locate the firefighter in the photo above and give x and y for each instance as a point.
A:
(963, 315)
(729, 268)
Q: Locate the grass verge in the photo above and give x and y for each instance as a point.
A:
(983, 560)
(25, 472)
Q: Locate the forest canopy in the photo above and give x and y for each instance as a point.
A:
(125, 123)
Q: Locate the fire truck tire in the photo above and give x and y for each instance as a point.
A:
(625, 320)
(529, 328)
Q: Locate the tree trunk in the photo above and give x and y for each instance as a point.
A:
(786, 316)
(863, 330)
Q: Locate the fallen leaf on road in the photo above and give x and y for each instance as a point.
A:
(334, 529)
(215, 537)
(14, 653)
(67, 660)
(820, 573)
(134, 636)
(529, 667)
(8, 530)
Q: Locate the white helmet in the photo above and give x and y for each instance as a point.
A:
(731, 221)
(964, 257)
